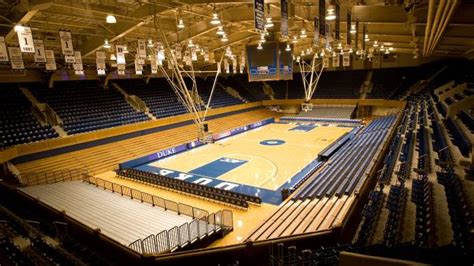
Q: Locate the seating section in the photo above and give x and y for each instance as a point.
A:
(244, 91)
(330, 111)
(218, 194)
(467, 119)
(395, 204)
(370, 214)
(421, 195)
(18, 125)
(339, 85)
(12, 253)
(458, 137)
(220, 98)
(349, 165)
(83, 106)
(158, 96)
(389, 83)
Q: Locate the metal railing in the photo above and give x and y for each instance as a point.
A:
(50, 177)
(185, 234)
(135, 194)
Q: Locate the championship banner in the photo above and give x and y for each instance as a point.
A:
(259, 15)
(100, 62)
(78, 68)
(153, 65)
(121, 69)
(193, 54)
(178, 51)
(234, 65)
(15, 58)
(242, 59)
(335, 61)
(325, 62)
(120, 50)
(66, 42)
(322, 17)
(141, 49)
(138, 68)
(50, 60)
(187, 58)
(226, 65)
(3, 50)
(346, 60)
(40, 56)
(25, 40)
(338, 23)
(328, 33)
(348, 28)
(206, 55)
(316, 32)
(70, 59)
(284, 18)
(364, 32)
(357, 35)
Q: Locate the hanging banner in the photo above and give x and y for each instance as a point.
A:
(325, 62)
(348, 28)
(100, 62)
(50, 60)
(187, 58)
(322, 17)
(40, 56)
(335, 61)
(15, 58)
(206, 54)
(242, 59)
(121, 69)
(3, 50)
(284, 18)
(328, 33)
(357, 35)
(153, 65)
(25, 40)
(346, 60)
(226, 65)
(193, 54)
(138, 68)
(178, 52)
(120, 50)
(141, 49)
(234, 65)
(338, 23)
(316, 32)
(70, 59)
(78, 61)
(259, 15)
(66, 42)
(364, 32)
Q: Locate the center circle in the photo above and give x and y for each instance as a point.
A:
(272, 142)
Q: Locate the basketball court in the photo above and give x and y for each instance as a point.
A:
(258, 162)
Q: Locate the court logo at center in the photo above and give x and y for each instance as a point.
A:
(272, 142)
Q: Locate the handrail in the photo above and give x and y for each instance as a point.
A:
(49, 177)
(179, 208)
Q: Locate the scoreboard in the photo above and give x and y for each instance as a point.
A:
(272, 62)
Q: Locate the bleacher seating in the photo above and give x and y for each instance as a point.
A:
(220, 98)
(330, 111)
(467, 119)
(12, 253)
(18, 125)
(387, 83)
(395, 204)
(370, 213)
(421, 195)
(347, 169)
(158, 96)
(458, 137)
(83, 106)
(337, 84)
(241, 84)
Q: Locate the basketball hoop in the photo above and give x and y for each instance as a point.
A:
(306, 107)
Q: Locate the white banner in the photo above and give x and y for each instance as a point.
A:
(78, 61)
(346, 60)
(70, 59)
(194, 56)
(153, 65)
(40, 56)
(121, 69)
(242, 59)
(234, 65)
(138, 68)
(15, 58)
(335, 60)
(66, 42)
(226, 65)
(50, 60)
(141, 49)
(325, 62)
(178, 52)
(120, 53)
(25, 40)
(3, 50)
(100, 62)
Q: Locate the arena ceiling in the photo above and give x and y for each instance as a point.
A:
(397, 23)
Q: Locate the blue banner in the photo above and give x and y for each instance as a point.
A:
(259, 15)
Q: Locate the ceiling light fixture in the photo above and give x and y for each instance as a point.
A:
(303, 33)
(353, 28)
(367, 38)
(295, 39)
(106, 44)
(110, 19)
(330, 15)
(288, 48)
(259, 47)
(220, 31)
(224, 38)
(269, 23)
(376, 43)
(180, 24)
(215, 19)
(190, 43)
(150, 43)
(19, 28)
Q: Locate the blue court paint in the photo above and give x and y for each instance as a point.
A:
(218, 167)
(272, 142)
(303, 127)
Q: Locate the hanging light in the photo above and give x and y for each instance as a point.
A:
(262, 38)
(150, 43)
(106, 44)
(215, 19)
(125, 50)
(382, 48)
(19, 28)
(376, 43)
(220, 31)
(331, 14)
(302, 53)
(110, 19)
(351, 51)
(224, 38)
(180, 24)
(322, 53)
(259, 47)
(190, 43)
(390, 48)
(342, 52)
(295, 39)
(269, 23)
(303, 33)
(288, 48)
(367, 37)
(387, 51)
(112, 57)
(353, 28)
